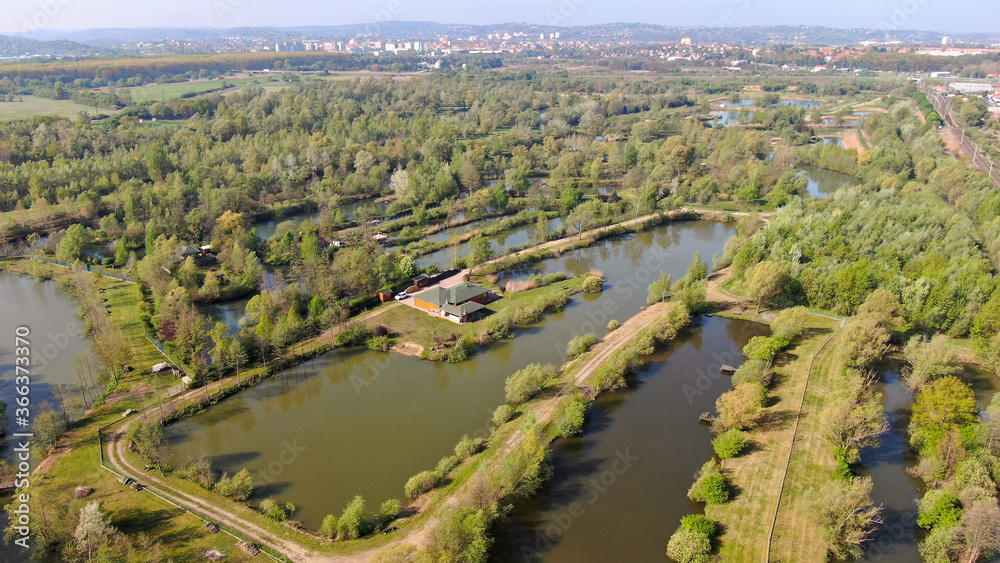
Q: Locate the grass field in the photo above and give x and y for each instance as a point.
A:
(161, 92)
(757, 475)
(33, 106)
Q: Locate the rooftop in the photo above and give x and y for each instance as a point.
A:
(454, 295)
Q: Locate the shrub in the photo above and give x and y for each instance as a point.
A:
(200, 471)
(380, 343)
(790, 323)
(571, 415)
(764, 348)
(581, 344)
(329, 526)
(593, 284)
(730, 443)
(468, 447)
(740, 408)
(938, 508)
(753, 371)
(353, 335)
(388, 511)
(613, 325)
(524, 383)
(446, 464)
(500, 325)
(420, 484)
(276, 511)
(462, 350)
(686, 546)
(381, 330)
(557, 277)
(701, 524)
(463, 535)
(502, 415)
(711, 486)
(354, 522)
(238, 487)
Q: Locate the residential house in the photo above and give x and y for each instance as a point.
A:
(461, 303)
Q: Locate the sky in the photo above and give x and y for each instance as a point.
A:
(946, 16)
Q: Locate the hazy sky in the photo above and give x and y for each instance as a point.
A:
(932, 15)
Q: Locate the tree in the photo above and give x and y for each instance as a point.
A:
(400, 184)
(92, 528)
(882, 306)
(238, 487)
(688, 546)
(74, 244)
(148, 440)
(944, 403)
(765, 280)
(790, 323)
(354, 522)
(929, 360)
(980, 530)
(659, 290)
(864, 340)
(469, 176)
(524, 383)
(482, 250)
(581, 218)
(462, 536)
(846, 516)
(740, 408)
(855, 420)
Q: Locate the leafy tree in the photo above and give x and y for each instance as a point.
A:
(730, 443)
(765, 281)
(659, 290)
(790, 323)
(929, 360)
(482, 250)
(462, 536)
(74, 244)
(846, 516)
(689, 546)
(582, 218)
(421, 483)
(710, 486)
(944, 403)
(865, 341)
(354, 522)
(740, 408)
(92, 529)
(938, 508)
(524, 383)
(238, 487)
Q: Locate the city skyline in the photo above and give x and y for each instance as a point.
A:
(955, 17)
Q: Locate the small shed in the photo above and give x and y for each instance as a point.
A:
(385, 296)
(421, 280)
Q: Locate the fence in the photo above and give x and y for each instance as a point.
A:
(86, 268)
(163, 350)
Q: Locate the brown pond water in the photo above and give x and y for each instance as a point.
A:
(361, 422)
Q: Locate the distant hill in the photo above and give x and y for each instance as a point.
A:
(11, 46)
(636, 32)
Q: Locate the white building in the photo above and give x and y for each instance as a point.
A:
(971, 87)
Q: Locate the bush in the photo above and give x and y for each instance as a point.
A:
(353, 335)
(276, 511)
(613, 325)
(388, 511)
(468, 447)
(581, 344)
(354, 522)
(502, 415)
(730, 443)
(462, 350)
(524, 383)
(200, 471)
(380, 343)
(420, 484)
(741, 407)
(329, 526)
(500, 325)
(938, 508)
(711, 486)
(381, 331)
(238, 487)
(686, 546)
(557, 277)
(593, 284)
(571, 415)
(701, 524)
(765, 348)
(753, 371)
(446, 464)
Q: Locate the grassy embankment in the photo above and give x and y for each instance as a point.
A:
(76, 461)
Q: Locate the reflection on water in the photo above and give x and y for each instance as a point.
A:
(823, 182)
(619, 491)
(367, 421)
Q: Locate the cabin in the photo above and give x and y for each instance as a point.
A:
(461, 303)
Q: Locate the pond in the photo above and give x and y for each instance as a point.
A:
(619, 490)
(361, 422)
(266, 229)
(56, 339)
(444, 257)
(823, 182)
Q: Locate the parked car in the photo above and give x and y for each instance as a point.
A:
(401, 296)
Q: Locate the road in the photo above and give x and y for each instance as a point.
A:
(968, 146)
